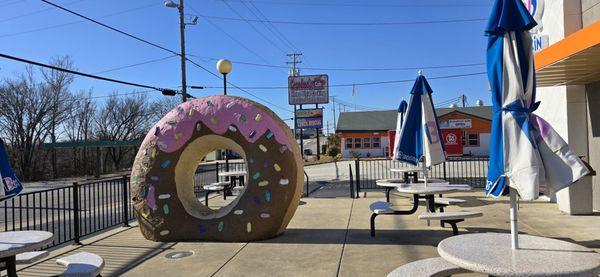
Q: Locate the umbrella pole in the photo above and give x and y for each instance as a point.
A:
(424, 171)
(514, 230)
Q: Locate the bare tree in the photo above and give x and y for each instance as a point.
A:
(122, 119)
(79, 127)
(24, 118)
(61, 100)
(164, 105)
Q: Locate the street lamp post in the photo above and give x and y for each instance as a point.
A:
(224, 66)
(182, 24)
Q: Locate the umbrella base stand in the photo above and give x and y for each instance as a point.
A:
(514, 230)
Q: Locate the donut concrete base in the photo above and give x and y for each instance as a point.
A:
(162, 179)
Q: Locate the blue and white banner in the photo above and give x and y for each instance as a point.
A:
(11, 185)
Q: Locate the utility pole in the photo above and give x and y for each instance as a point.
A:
(182, 34)
(295, 72)
(294, 56)
(464, 100)
(318, 135)
(333, 107)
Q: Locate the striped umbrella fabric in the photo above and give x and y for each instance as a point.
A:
(525, 152)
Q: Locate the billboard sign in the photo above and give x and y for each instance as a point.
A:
(309, 89)
(309, 119)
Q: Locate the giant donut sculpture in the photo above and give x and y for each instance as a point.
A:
(162, 178)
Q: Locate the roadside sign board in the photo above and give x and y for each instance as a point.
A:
(309, 118)
(455, 124)
(309, 89)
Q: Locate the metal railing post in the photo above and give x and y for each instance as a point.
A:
(125, 202)
(307, 181)
(357, 168)
(75, 199)
(351, 181)
(445, 171)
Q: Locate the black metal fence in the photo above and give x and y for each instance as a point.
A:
(70, 212)
(463, 170)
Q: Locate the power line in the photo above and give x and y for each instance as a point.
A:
(230, 36)
(82, 74)
(242, 18)
(242, 89)
(372, 83)
(160, 47)
(345, 23)
(351, 69)
(71, 23)
(111, 28)
(271, 27)
(36, 12)
(362, 5)
(135, 64)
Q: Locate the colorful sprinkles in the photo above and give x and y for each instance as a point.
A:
(262, 148)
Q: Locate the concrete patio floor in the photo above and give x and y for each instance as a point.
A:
(328, 236)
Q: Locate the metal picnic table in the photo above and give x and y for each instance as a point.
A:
(421, 191)
(17, 242)
(491, 253)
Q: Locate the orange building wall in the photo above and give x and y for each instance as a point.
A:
(478, 125)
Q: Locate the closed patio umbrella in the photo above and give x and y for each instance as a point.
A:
(419, 137)
(10, 183)
(401, 111)
(525, 152)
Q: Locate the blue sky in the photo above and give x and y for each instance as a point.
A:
(52, 32)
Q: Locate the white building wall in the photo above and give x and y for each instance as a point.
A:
(565, 107)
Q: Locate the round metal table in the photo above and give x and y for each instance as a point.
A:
(491, 253)
(16, 242)
(233, 173)
(234, 176)
(390, 184)
(418, 189)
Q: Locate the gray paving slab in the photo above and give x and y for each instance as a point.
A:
(328, 236)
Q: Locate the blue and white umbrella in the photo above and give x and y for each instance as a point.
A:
(419, 138)
(400, 118)
(10, 183)
(525, 152)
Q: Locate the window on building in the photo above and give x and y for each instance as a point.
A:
(376, 142)
(367, 143)
(348, 143)
(473, 139)
(464, 138)
(357, 143)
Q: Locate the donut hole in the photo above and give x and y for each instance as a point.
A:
(186, 179)
(231, 172)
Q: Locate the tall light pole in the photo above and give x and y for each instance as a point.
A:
(224, 66)
(182, 24)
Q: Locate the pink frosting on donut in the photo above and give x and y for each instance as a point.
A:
(217, 112)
